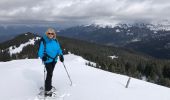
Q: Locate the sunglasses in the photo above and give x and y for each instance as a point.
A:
(50, 33)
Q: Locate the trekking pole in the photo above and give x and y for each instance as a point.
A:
(67, 74)
(44, 80)
(127, 84)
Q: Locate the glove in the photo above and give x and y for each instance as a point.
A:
(44, 58)
(61, 58)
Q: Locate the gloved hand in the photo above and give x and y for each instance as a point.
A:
(44, 58)
(61, 58)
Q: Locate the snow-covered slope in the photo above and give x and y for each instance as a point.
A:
(14, 49)
(21, 79)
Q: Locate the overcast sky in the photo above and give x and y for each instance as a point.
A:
(83, 11)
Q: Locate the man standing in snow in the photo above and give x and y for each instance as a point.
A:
(49, 51)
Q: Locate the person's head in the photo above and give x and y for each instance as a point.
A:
(51, 33)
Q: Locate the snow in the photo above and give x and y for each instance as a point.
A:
(113, 57)
(155, 32)
(128, 33)
(21, 79)
(135, 40)
(117, 30)
(91, 63)
(69, 52)
(160, 25)
(144, 78)
(101, 25)
(14, 49)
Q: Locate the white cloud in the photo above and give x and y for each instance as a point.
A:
(36, 9)
(17, 11)
(84, 11)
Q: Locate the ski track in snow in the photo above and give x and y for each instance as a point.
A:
(21, 80)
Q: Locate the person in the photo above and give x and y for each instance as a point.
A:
(49, 50)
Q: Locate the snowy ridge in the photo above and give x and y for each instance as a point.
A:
(14, 49)
(160, 25)
(24, 77)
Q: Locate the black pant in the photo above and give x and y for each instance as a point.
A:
(49, 68)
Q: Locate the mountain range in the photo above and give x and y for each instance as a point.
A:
(144, 38)
(151, 39)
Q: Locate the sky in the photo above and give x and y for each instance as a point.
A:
(77, 12)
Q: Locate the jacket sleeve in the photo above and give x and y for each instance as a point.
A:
(60, 52)
(41, 50)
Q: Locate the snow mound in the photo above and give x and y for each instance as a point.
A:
(21, 79)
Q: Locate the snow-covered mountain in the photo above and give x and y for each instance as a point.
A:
(123, 35)
(21, 79)
(160, 25)
(118, 35)
(128, 32)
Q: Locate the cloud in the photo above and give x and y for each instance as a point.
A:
(84, 11)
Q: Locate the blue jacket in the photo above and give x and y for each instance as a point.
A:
(52, 49)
